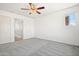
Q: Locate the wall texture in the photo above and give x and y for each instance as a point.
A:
(52, 27)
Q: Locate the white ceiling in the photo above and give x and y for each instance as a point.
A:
(49, 8)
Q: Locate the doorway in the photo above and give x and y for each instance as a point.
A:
(18, 29)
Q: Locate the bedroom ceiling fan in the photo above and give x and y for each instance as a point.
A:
(33, 8)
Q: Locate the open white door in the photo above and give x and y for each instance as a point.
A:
(18, 29)
(5, 29)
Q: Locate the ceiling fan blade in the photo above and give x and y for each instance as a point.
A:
(38, 12)
(24, 9)
(41, 8)
(30, 5)
(30, 13)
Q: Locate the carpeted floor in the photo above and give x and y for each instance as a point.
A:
(38, 47)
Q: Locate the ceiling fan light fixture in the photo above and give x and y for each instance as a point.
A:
(33, 8)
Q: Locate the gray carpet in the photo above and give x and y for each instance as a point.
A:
(38, 47)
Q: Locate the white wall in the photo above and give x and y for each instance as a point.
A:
(52, 27)
(8, 19)
(28, 28)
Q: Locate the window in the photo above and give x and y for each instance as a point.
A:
(70, 19)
